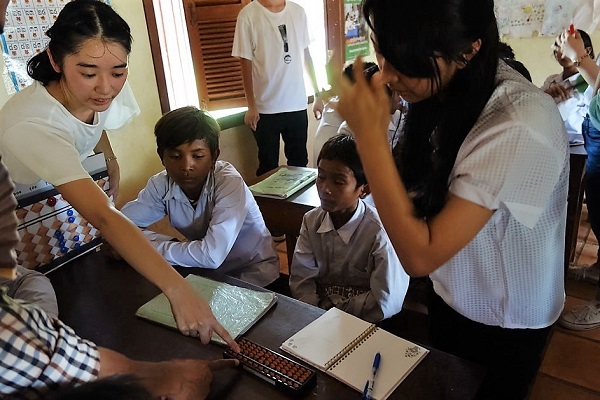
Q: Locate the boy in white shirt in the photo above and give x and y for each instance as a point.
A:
(206, 200)
(271, 40)
(343, 257)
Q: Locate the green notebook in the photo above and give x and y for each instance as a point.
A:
(284, 183)
(236, 308)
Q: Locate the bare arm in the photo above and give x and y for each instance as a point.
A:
(173, 379)
(192, 313)
(310, 69)
(114, 174)
(251, 118)
(422, 246)
(572, 47)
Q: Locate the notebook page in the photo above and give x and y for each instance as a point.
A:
(398, 358)
(325, 337)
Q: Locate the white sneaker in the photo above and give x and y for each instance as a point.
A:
(583, 317)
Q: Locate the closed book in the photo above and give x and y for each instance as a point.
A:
(284, 182)
(236, 308)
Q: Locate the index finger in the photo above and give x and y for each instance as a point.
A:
(222, 332)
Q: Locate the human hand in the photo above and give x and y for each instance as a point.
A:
(317, 108)
(557, 90)
(325, 303)
(251, 118)
(364, 105)
(114, 178)
(184, 379)
(570, 44)
(194, 316)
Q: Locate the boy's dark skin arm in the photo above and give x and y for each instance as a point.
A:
(184, 379)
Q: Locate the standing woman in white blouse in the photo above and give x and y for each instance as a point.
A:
(48, 128)
(474, 194)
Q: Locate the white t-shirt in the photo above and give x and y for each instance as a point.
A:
(514, 161)
(277, 74)
(41, 139)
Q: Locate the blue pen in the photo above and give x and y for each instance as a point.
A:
(368, 392)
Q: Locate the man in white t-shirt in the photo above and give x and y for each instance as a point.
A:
(271, 40)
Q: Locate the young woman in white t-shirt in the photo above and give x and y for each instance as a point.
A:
(49, 127)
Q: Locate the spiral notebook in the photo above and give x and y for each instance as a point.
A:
(344, 347)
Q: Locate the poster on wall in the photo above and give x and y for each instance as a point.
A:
(527, 18)
(355, 30)
(561, 13)
(519, 18)
(25, 36)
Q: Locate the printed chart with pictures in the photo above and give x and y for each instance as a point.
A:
(24, 36)
(527, 18)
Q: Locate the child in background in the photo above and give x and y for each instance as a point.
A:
(398, 107)
(206, 200)
(571, 89)
(343, 257)
(330, 120)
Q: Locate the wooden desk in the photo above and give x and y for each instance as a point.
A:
(98, 298)
(578, 157)
(285, 215)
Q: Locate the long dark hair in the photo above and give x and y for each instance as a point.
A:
(79, 20)
(411, 35)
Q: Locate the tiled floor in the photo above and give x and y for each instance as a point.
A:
(571, 365)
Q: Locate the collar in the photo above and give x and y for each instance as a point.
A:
(348, 229)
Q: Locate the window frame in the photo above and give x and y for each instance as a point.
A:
(334, 31)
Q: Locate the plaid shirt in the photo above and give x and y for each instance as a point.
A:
(39, 353)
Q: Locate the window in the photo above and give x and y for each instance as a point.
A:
(192, 39)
